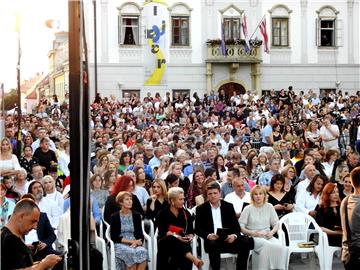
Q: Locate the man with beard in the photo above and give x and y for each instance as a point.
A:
(46, 205)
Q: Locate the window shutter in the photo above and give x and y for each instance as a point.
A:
(119, 29)
(338, 32)
(317, 32)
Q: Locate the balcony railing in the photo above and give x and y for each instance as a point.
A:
(234, 53)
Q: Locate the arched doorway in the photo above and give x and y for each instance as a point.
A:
(231, 87)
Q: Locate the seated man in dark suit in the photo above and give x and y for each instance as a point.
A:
(218, 214)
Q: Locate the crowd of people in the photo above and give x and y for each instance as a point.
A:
(226, 168)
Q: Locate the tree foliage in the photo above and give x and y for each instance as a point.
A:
(10, 100)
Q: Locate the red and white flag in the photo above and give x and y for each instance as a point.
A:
(264, 33)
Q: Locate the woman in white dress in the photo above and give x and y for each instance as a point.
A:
(260, 221)
(51, 192)
(9, 163)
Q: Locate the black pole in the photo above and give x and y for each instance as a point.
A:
(18, 137)
(79, 245)
(95, 50)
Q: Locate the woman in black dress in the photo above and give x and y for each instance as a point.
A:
(328, 214)
(175, 227)
(281, 200)
(157, 200)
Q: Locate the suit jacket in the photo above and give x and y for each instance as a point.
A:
(115, 227)
(204, 224)
(45, 231)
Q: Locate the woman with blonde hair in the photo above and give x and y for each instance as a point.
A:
(260, 221)
(175, 225)
(312, 135)
(48, 183)
(157, 200)
(9, 163)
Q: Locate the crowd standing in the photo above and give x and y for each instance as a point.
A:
(218, 161)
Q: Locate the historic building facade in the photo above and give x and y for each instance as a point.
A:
(168, 45)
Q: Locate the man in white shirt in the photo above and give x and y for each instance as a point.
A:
(329, 134)
(41, 134)
(309, 172)
(239, 197)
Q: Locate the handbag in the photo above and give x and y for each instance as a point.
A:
(178, 230)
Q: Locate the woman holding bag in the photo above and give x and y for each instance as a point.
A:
(175, 225)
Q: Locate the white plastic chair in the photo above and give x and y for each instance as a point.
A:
(101, 246)
(148, 244)
(329, 253)
(155, 249)
(206, 260)
(297, 227)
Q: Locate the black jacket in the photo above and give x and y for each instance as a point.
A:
(115, 227)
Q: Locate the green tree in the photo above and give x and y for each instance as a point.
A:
(10, 100)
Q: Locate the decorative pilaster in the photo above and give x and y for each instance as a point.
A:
(304, 37)
(104, 32)
(255, 78)
(350, 16)
(208, 77)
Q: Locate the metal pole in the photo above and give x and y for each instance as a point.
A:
(79, 245)
(95, 50)
(18, 137)
(257, 26)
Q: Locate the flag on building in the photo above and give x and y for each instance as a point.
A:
(223, 46)
(246, 36)
(264, 33)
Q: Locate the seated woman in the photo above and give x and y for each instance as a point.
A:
(307, 201)
(124, 183)
(97, 190)
(260, 221)
(126, 232)
(175, 225)
(51, 192)
(328, 214)
(9, 163)
(346, 188)
(157, 200)
(195, 188)
(278, 197)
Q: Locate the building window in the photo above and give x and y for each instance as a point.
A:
(128, 94)
(328, 32)
(232, 28)
(180, 24)
(180, 31)
(129, 24)
(280, 25)
(177, 93)
(280, 32)
(129, 30)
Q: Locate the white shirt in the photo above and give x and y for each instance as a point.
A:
(216, 216)
(64, 160)
(53, 212)
(306, 202)
(333, 144)
(301, 187)
(142, 194)
(57, 197)
(237, 201)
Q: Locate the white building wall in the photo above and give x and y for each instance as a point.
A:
(123, 67)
